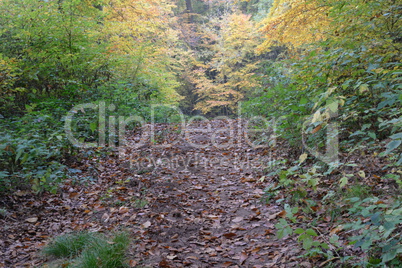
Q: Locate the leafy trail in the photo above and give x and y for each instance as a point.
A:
(183, 206)
(207, 214)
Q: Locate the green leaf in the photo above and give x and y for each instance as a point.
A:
(25, 158)
(307, 242)
(392, 146)
(334, 239)
(303, 101)
(389, 256)
(283, 228)
(93, 126)
(299, 231)
(311, 232)
(396, 136)
(389, 225)
(323, 245)
(372, 135)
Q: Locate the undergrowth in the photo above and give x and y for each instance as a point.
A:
(339, 214)
(88, 250)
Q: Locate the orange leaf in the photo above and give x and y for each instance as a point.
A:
(316, 129)
(229, 235)
(227, 264)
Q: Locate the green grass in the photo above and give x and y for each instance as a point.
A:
(88, 250)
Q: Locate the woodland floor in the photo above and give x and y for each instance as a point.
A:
(183, 206)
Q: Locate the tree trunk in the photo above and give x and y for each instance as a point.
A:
(189, 10)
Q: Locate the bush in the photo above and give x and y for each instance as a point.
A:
(379, 232)
(31, 150)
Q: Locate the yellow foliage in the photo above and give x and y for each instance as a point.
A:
(232, 40)
(294, 22)
(143, 42)
(8, 75)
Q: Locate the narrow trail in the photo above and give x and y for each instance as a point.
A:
(196, 203)
(206, 204)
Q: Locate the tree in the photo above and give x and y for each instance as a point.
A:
(52, 46)
(141, 45)
(227, 73)
(294, 23)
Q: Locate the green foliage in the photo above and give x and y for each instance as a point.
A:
(33, 146)
(379, 234)
(361, 73)
(52, 52)
(277, 99)
(26, 164)
(90, 250)
(307, 237)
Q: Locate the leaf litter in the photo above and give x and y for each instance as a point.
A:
(183, 206)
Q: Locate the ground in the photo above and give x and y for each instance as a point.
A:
(192, 199)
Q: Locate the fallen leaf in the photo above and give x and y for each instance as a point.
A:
(133, 263)
(123, 210)
(32, 220)
(175, 236)
(274, 216)
(227, 264)
(229, 235)
(243, 257)
(146, 224)
(336, 230)
(171, 257)
(164, 264)
(238, 219)
(192, 257)
(72, 195)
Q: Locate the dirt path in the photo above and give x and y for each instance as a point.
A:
(185, 206)
(205, 204)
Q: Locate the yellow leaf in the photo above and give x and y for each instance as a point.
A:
(363, 88)
(303, 158)
(317, 117)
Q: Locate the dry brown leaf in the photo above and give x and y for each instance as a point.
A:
(227, 264)
(336, 230)
(280, 214)
(316, 129)
(175, 236)
(229, 235)
(243, 257)
(123, 210)
(73, 195)
(133, 263)
(164, 264)
(192, 257)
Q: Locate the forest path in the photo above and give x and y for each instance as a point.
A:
(205, 205)
(196, 203)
